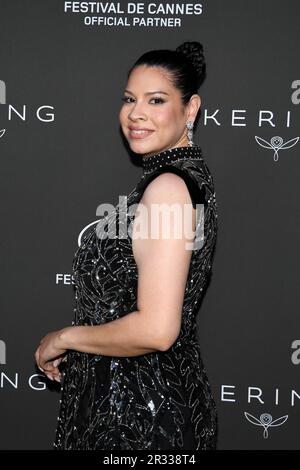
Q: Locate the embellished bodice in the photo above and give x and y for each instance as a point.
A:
(104, 270)
(142, 402)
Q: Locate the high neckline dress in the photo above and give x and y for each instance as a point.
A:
(160, 400)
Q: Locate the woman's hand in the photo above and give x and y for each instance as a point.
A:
(50, 354)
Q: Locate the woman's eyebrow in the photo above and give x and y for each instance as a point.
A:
(149, 92)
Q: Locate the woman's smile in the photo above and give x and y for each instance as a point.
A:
(139, 133)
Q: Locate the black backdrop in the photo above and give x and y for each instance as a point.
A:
(62, 155)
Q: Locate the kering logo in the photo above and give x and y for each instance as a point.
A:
(265, 421)
(2, 352)
(22, 113)
(15, 380)
(276, 144)
(230, 394)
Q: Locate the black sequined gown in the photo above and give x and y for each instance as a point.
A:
(160, 400)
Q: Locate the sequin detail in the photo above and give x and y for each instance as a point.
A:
(160, 400)
(160, 159)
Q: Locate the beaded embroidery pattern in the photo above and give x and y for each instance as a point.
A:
(159, 400)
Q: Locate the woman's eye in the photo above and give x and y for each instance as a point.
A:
(158, 100)
(126, 98)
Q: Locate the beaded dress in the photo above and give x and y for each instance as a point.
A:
(160, 400)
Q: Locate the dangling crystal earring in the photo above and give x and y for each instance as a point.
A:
(190, 126)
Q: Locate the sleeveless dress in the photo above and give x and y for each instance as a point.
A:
(160, 400)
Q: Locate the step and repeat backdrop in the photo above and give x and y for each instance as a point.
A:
(63, 67)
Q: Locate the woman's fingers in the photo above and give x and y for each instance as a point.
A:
(57, 378)
(37, 360)
(53, 372)
(57, 362)
(50, 369)
(53, 375)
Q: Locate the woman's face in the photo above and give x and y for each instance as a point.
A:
(153, 106)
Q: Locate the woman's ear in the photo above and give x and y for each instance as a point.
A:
(193, 107)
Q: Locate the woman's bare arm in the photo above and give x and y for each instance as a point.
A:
(162, 273)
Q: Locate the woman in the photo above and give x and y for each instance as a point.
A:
(134, 377)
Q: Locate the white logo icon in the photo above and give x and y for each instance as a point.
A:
(266, 421)
(276, 144)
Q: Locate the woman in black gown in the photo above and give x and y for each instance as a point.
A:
(133, 376)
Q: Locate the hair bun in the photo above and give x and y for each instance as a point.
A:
(193, 51)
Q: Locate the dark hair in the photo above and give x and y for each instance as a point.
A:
(186, 65)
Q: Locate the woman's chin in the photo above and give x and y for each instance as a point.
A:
(140, 147)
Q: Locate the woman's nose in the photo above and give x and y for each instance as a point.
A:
(137, 111)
